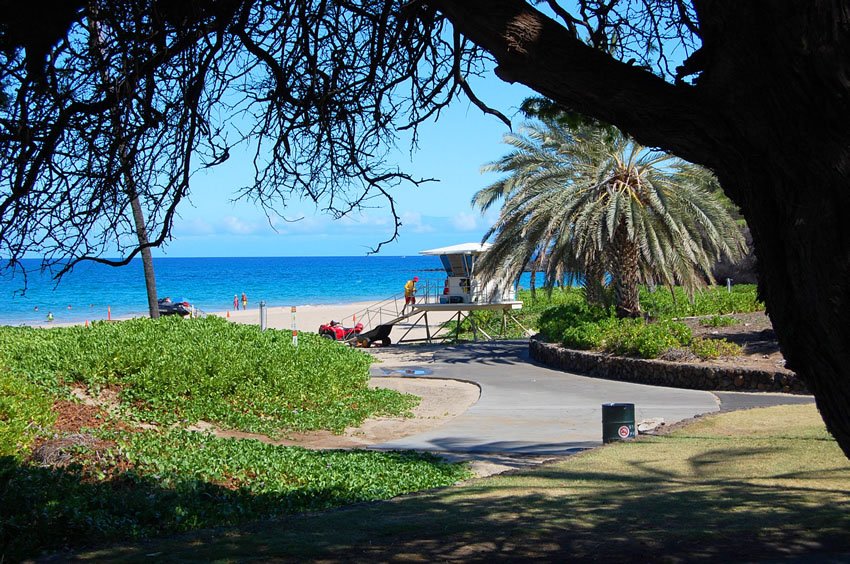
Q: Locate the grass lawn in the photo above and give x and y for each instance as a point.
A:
(764, 484)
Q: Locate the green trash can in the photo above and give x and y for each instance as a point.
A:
(618, 422)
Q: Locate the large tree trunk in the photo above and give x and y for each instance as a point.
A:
(147, 258)
(96, 44)
(770, 114)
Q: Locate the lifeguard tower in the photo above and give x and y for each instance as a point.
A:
(462, 285)
(446, 299)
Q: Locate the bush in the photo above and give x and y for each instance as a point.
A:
(628, 337)
(635, 337)
(585, 336)
(556, 320)
(708, 301)
(715, 348)
(182, 481)
(576, 325)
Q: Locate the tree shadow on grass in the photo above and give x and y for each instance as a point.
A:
(556, 513)
(48, 509)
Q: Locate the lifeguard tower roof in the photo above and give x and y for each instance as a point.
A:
(461, 249)
(459, 260)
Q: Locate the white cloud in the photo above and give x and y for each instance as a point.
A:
(412, 222)
(235, 226)
(465, 221)
(194, 227)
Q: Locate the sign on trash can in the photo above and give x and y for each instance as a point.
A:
(618, 422)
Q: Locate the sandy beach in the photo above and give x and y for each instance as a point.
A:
(307, 318)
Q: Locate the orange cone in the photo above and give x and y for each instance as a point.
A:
(228, 315)
(109, 313)
(87, 322)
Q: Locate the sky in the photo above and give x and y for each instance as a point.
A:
(453, 149)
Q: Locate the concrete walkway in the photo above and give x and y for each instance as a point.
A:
(527, 409)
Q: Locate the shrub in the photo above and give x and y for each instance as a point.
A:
(556, 320)
(585, 336)
(629, 337)
(182, 481)
(167, 480)
(712, 300)
(635, 337)
(715, 348)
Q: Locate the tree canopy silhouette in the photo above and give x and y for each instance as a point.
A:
(320, 89)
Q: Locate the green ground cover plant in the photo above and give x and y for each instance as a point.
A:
(571, 311)
(712, 300)
(180, 481)
(114, 479)
(749, 486)
(173, 370)
(576, 325)
(24, 409)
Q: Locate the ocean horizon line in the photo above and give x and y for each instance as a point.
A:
(159, 257)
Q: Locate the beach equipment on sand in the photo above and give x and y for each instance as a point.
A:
(168, 307)
(380, 334)
(335, 331)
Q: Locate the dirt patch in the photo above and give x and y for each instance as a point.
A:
(753, 331)
(441, 400)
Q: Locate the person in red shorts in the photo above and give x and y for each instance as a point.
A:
(410, 293)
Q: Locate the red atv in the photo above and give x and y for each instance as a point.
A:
(334, 330)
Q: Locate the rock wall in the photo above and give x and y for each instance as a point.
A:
(663, 373)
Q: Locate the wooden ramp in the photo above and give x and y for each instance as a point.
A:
(424, 322)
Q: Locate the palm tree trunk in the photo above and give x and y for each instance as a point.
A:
(626, 274)
(533, 282)
(594, 288)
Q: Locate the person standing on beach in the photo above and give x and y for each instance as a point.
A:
(410, 293)
(244, 301)
(235, 302)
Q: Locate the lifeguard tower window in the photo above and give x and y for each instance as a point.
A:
(457, 265)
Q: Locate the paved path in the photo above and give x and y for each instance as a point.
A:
(528, 409)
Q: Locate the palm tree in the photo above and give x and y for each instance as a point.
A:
(595, 201)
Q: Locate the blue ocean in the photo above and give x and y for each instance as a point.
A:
(91, 290)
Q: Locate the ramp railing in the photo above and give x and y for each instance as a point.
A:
(387, 311)
(391, 310)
